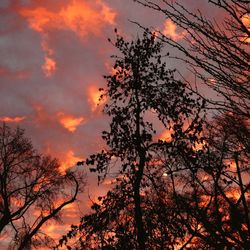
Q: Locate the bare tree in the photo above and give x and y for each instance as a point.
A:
(216, 51)
(31, 183)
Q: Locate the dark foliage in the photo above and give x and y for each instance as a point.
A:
(214, 199)
(30, 183)
(143, 96)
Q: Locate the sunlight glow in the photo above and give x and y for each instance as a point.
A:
(165, 136)
(94, 97)
(68, 160)
(70, 122)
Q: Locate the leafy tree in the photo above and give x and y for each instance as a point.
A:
(143, 98)
(31, 183)
(216, 51)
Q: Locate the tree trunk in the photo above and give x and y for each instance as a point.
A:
(137, 199)
(4, 222)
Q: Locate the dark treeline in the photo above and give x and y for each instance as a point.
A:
(191, 190)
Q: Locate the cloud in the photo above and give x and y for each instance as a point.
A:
(83, 18)
(69, 122)
(18, 74)
(170, 29)
(69, 159)
(54, 119)
(49, 66)
(67, 156)
(41, 115)
(94, 97)
(12, 119)
(246, 21)
(165, 136)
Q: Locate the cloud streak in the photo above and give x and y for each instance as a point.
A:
(16, 119)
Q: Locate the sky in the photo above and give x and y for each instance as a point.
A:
(53, 55)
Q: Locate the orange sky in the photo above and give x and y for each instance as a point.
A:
(53, 57)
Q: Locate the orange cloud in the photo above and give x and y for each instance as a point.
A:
(93, 97)
(68, 160)
(246, 21)
(199, 146)
(84, 18)
(69, 122)
(118, 70)
(66, 157)
(81, 17)
(12, 119)
(166, 136)
(170, 29)
(49, 66)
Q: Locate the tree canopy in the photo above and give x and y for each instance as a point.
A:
(33, 190)
(143, 99)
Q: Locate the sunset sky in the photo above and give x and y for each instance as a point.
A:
(53, 54)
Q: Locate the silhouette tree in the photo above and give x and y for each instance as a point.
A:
(190, 191)
(213, 200)
(111, 223)
(216, 51)
(143, 98)
(30, 183)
